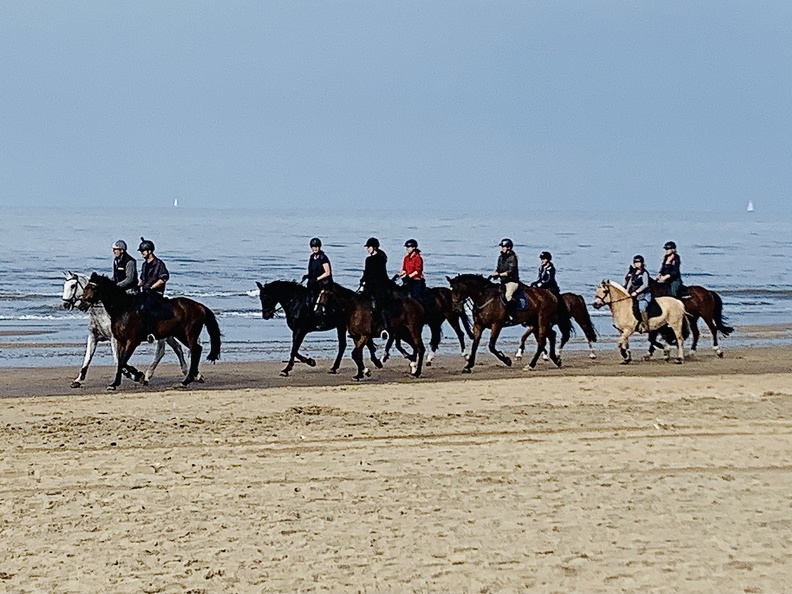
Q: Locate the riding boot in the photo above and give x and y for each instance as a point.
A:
(643, 325)
(511, 310)
(384, 335)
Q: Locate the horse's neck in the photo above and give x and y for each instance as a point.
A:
(116, 301)
(621, 304)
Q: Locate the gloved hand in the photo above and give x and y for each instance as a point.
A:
(304, 278)
(395, 277)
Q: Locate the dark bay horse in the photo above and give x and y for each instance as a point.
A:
(438, 308)
(129, 326)
(576, 306)
(302, 318)
(701, 303)
(405, 321)
(489, 311)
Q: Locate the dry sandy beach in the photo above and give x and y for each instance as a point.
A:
(593, 478)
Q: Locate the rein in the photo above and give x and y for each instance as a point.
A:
(77, 285)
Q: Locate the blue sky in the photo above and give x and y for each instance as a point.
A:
(525, 105)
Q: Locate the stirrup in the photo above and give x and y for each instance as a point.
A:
(151, 339)
(384, 335)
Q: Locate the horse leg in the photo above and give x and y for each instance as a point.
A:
(195, 357)
(624, 346)
(494, 333)
(418, 349)
(125, 350)
(158, 354)
(357, 356)
(453, 320)
(297, 338)
(434, 342)
(388, 345)
(521, 349)
(372, 355)
(694, 331)
(471, 360)
(555, 357)
(713, 329)
(341, 348)
(90, 349)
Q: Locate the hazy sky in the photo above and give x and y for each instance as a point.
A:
(350, 103)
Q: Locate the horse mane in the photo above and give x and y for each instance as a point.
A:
(469, 276)
(616, 286)
(285, 284)
(343, 291)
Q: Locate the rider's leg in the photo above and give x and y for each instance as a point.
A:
(511, 303)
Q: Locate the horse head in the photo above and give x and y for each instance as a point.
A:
(466, 286)
(602, 294)
(269, 302)
(278, 293)
(72, 290)
(91, 293)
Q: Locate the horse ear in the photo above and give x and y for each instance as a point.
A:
(67, 274)
(448, 278)
(260, 286)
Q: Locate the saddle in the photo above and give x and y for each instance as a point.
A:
(519, 298)
(652, 310)
(155, 306)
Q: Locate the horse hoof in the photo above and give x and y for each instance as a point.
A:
(284, 373)
(75, 384)
(110, 388)
(592, 356)
(200, 379)
(144, 382)
(647, 357)
(428, 362)
(367, 372)
(385, 357)
(558, 363)
(507, 361)
(545, 357)
(310, 362)
(678, 361)
(719, 353)
(333, 372)
(466, 370)
(625, 361)
(357, 377)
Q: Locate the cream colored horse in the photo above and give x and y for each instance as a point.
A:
(620, 303)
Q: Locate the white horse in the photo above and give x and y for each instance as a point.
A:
(99, 331)
(620, 302)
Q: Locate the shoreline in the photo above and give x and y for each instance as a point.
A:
(55, 381)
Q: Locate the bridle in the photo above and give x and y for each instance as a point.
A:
(74, 299)
(600, 301)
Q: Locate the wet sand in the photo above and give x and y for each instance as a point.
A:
(595, 477)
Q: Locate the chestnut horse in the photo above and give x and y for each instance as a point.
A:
(576, 306)
(699, 303)
(489, 311)
(129, 325)
(405, 321)
(438, 308)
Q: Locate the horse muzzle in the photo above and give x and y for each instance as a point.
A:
(68, 305)
(598, 304)
(268, 314)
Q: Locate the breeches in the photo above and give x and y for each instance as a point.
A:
(510, 289)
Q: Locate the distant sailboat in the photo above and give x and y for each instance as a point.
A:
(176, 203)
(750, 207)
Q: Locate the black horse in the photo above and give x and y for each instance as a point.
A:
(302, 317)
(185, 322)
(438, 308)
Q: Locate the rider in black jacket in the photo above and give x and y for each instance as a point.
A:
(376, 284)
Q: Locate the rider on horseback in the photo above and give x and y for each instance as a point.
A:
(670, 269)
(320, 274)
(547, 273)
(375, 283)
(638, 288)
(124, 268)
(412, 270)
(153, 276)
(508, 273)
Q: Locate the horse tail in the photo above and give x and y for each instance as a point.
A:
(686, 317)
(564, 318)
(717, 316)
(214, 334)
(585, 323)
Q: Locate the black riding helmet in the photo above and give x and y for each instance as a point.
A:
(638, 258)
(669, 245)
(411, 243)
(316, 242)
(372, 242)
(506, 242)
(546, 256)
(146, 245)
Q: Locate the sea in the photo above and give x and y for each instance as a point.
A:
(215, 256)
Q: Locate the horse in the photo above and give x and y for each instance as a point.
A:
(699, 303)
(128, 324)
(576, 306)
(489, 311)
(302, 318)
(99, 331)
(405, 323)
(438, 308)
(620, 302)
